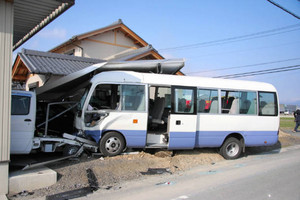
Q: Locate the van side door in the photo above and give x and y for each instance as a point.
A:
(23, 112)
(183, 119)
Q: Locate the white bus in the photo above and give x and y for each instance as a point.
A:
(140, 110)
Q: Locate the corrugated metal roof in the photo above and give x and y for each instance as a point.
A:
(53, 63)
(30, 16)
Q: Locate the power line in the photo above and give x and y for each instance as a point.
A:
(236, 38)
(282, 8)
(261, 72)
(243, 66)
(239, 51)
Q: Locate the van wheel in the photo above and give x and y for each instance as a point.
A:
(70, 150)
(231, 149)
(112, 144)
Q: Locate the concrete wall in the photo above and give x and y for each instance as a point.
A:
(6, 36)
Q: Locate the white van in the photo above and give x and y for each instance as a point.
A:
(23, 113)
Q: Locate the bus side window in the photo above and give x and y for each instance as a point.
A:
(207, 101)
(230, 102)
(133, 97)
(184, 100)
(248, 103)
(267, 104)
(235, 102)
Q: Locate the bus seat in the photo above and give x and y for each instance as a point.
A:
(229, 102)
(201, 105)
(214, 106)
(252, 108)
(157, 111)
(181, 104)
(234, 107)
(268, 109)
(245, 107)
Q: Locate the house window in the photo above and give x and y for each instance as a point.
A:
(70, 52)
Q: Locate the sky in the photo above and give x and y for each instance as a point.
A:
(215, 37)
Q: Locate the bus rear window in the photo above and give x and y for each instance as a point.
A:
(268, 104)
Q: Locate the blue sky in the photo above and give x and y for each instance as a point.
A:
(173, 23)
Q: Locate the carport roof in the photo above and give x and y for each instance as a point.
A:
(30, 16)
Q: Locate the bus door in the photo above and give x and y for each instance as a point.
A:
(183, 119)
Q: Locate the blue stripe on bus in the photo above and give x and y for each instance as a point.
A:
(96, 135)
(134, 138)
(190, 140)
(252, 138)
(182, 140)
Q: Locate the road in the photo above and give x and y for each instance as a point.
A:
(273, 175)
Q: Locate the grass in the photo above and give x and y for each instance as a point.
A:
(287, 122)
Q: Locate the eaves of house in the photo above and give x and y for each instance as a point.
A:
(29, 62)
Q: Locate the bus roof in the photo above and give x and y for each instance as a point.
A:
(168, 80)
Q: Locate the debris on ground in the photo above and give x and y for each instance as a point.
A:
(165, 183)
(81, 192)
(71, 194)
(154, 171)
(24, 193)
(93, 182)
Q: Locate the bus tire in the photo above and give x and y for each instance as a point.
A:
(231, 148)
(112, 144)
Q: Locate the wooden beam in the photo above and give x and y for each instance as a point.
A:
(19, 78)
(133, 35)
(152, 53)
(109, 43)
(15, 67)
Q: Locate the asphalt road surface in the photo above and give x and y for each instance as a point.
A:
(273, 175)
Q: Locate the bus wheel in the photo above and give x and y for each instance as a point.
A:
(112, 144)
(231, 149)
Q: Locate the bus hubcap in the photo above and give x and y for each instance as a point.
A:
(232, 149)
(112, 144)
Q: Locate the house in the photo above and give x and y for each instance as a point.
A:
(115, 42)
(104, 43)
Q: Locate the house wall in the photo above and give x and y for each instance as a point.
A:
(106, 44)
(101, 46)
(6, 36)
(40, 79)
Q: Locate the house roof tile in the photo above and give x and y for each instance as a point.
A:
(53, 63)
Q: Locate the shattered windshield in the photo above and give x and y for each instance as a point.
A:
(82, 100)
